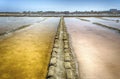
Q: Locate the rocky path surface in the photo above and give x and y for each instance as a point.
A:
(63, 63)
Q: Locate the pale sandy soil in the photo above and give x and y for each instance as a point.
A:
(25, 54)
(97, 49)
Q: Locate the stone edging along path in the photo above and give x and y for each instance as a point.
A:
(62, 63)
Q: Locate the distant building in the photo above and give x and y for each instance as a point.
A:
(113, 10)
(66, 12)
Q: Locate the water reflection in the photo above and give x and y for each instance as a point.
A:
(9, 23)
(25, 55)
(96, 48)
(112, 22)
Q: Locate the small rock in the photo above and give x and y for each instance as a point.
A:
(56, 37)
(56, 45)
(53, 61)
(66, 46)
(56, 40)
(51, 78)
(67, 54)
(51, 71)
(54, 54)
(67, 50)
(70, 74)
(55, 50)
(68, 58)
(65, 41)
(67, 65)
(65, 36)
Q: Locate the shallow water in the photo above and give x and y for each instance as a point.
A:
(9, 23)
(26, 53)
(97, 49)
(110, 21)
(112, 18)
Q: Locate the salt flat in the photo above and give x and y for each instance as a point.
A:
(26, 53)
(97, 49)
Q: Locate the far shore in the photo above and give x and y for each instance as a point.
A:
(58, 15)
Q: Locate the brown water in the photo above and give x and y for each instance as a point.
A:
(97, 49)
(26, 53)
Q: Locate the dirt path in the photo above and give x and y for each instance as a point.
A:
(97, 49)
(63, 63)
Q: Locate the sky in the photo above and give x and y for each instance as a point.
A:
(58, 5)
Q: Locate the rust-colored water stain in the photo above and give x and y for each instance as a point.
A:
(26, 54)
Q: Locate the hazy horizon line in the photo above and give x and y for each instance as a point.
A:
(58, 10)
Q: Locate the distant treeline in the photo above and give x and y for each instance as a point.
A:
(65, 12)
(111, 12)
